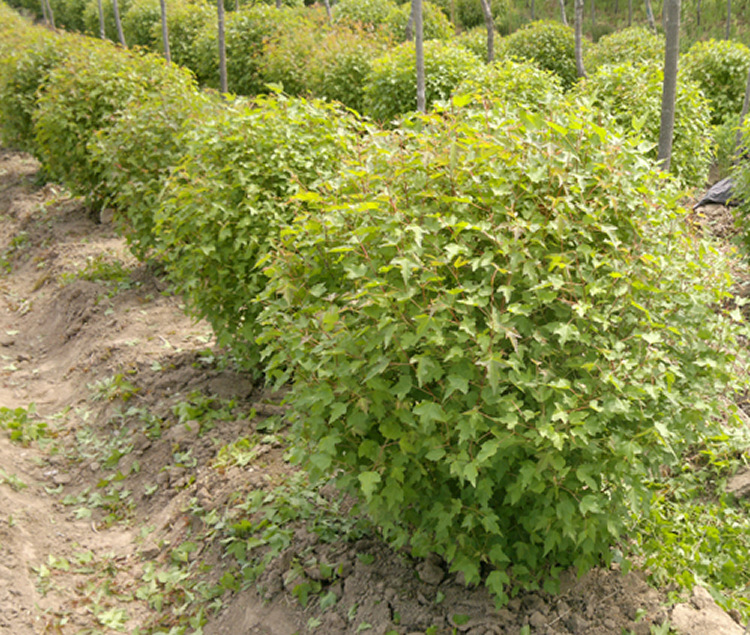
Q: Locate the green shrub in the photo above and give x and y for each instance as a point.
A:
(551, 45)
(287, 54)
(227, 201)
(495, 328)
(513, 82)
(741, 175)
(475, 40)
(340, 65)
(435, 25)
(91, 18)
(720, 69)
(635, 44)
(15, 31)
(186, 21)
(23, 73)
(367, 14)
(141, 24)
(85, 95)
(632, 95)
(469, 14)
(598, 30)
(10, 22)
(246, 34)
(30, 8)
(391, 88)
(69, 14)
(725, 139)
(135, 155)
(289, 4)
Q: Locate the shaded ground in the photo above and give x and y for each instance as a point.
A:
(130, 499)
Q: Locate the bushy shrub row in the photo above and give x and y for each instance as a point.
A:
(635, 45)
(23, 71)
(492, 322)
(137, 152)
(551, 45)
(519, 83)
(720, 69)
(490, 337)
(215, 224)
(84, 95)
(391, 89)
(632, 94)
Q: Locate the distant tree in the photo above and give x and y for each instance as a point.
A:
(729, 19)
(698, 13)
(102, 33)
(223, 87)
(50, 14)
(47, 14)
(669, 92)
(563, 17)
(118, 23)
(578, 25)
(327, 4)
(630, 12)
(490, 23)
(650, 17)
(165, 30)
(593, 13)
(419, 46)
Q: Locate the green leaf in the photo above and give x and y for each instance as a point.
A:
(429, 413)
(369, 482)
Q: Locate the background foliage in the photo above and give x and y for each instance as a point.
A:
(632, 95)
(633, 45)
(390, 89)
(550, 44)
(720, 69)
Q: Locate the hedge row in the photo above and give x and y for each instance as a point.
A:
(297, 48)
(494, 327)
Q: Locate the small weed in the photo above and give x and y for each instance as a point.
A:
(23, 425)
(17, 244)
(185, 459)
(695, 534)
(661, 629)
(106, 450)
(11, 479)
(243, 451)
(257, 530)
(115, 387)
(207, 411)
(153, 424)
(366, 558)
(111, 273)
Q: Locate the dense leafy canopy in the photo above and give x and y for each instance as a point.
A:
(632, 94)
(491, 337)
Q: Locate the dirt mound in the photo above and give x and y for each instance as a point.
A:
(145, 466)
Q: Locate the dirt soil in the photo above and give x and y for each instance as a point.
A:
(119, 483)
